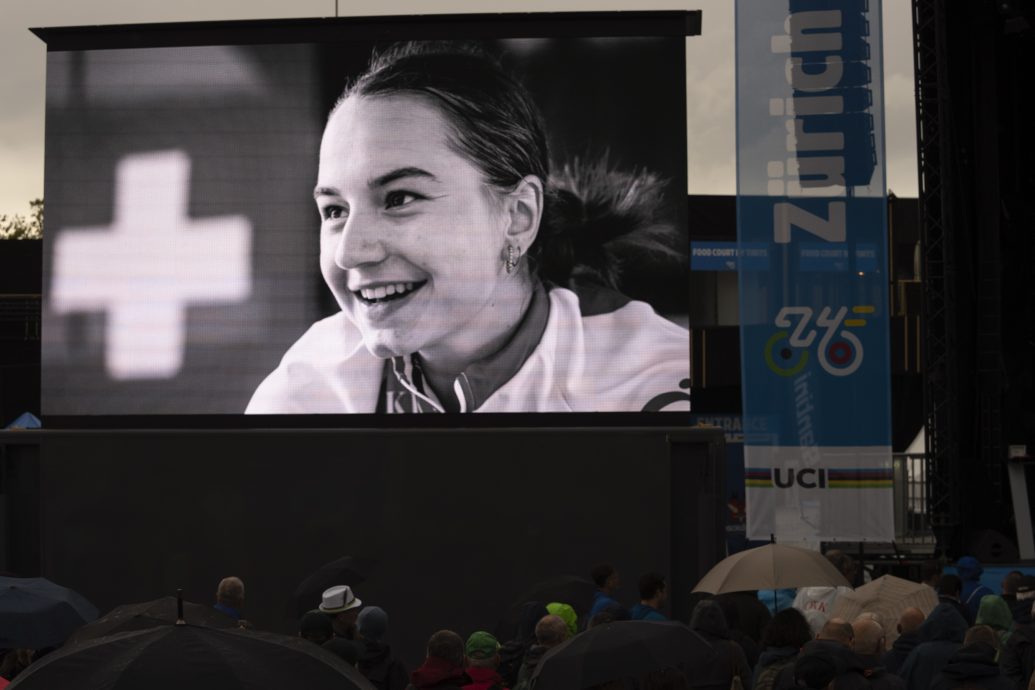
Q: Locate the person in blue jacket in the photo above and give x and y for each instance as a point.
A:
(969, 569)
(652, 598)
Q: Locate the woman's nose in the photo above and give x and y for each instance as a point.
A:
(359, 242)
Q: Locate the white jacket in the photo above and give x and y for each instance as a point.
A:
(616, 357)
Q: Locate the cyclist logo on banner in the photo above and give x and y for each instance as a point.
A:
(840, 352)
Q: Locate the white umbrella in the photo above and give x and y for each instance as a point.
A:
(773, 566)
(887, 596)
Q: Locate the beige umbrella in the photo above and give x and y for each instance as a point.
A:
(887, 597)
(773, 566)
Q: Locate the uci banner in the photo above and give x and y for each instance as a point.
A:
(814, 316)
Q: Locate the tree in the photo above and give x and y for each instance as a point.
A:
(19, 227)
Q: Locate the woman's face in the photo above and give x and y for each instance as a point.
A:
(411, 239)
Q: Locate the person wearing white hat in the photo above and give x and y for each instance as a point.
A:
(342, 605)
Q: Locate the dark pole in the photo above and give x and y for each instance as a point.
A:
(179, 608)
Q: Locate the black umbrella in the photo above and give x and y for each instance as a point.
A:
(347, 570)
(150, 614)
(175, 657)
(626, 649)
(36, 613)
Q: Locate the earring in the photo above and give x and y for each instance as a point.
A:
(513, 256)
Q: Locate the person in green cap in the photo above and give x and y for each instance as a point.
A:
(565, 613)
(483, 659)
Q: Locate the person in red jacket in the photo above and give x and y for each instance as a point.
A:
(483, 660)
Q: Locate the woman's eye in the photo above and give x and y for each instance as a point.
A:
(400, 198)
(333, 212)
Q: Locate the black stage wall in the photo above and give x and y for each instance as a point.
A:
(460, 522)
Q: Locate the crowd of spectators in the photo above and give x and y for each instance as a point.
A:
(972, 638)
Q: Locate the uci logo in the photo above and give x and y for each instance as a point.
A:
(839, 350)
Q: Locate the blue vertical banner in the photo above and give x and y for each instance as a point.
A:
(814, 316)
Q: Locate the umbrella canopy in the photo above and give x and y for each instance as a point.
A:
(150, 614)
(175, 657)
(347, 570)
(625, 649)
(36, 613)
(773, 566)
(887, 596)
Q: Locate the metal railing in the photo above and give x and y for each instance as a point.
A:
(913, 501)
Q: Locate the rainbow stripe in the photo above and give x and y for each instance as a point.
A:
(759, 477)
(860, 478)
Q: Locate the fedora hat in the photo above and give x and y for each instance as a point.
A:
(339, 599)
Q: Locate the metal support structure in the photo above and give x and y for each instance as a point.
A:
(934, 155)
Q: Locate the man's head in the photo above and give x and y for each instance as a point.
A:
(550, 631)
(230, 592)
(930, 572)
(1011, 580)
(869, 637)
(837, 630)
(606, 578)
(652, 589)
(1026, 588)
(372, 623)
(315, 626)
(969, 568)
(950, 586)
(447, 646)
(983, 634)
(342, 605)
(482, 650)
(910, 620)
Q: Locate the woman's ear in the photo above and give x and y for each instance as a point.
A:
(524, 208)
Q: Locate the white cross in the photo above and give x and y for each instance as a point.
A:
(149, 265)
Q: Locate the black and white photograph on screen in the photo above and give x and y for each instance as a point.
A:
(375, 228)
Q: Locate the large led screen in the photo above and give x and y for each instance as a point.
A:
(280, 225)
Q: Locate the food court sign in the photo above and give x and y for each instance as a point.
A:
(814, 316)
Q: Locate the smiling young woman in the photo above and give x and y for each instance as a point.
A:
(468, 278)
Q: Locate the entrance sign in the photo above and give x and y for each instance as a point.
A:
(814, 315)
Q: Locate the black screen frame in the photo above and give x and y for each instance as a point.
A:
(615, 24)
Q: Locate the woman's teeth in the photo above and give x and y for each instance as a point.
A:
(382, 291)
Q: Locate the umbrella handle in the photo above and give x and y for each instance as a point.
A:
(179, 608)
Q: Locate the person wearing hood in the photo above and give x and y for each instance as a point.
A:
(715, 669)
(995, 613)
(512, 653)
(1018, 657)
(940, 636)
(443, 667)
(375, 661)
(974, 665)
(782, 640)
(969, 569)
(908, 638)
(566, 613)
(550, 631)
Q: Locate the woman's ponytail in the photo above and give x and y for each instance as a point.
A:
(597, 219)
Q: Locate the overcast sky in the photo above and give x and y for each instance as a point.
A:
(709, 73)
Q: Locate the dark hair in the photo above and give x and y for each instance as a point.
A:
(930, 570)
(982, 634)
(950, 585)
(600, 573)
(593, 216)
(447, 645)
(1011, 580)
(651, 584)
(788, 628)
